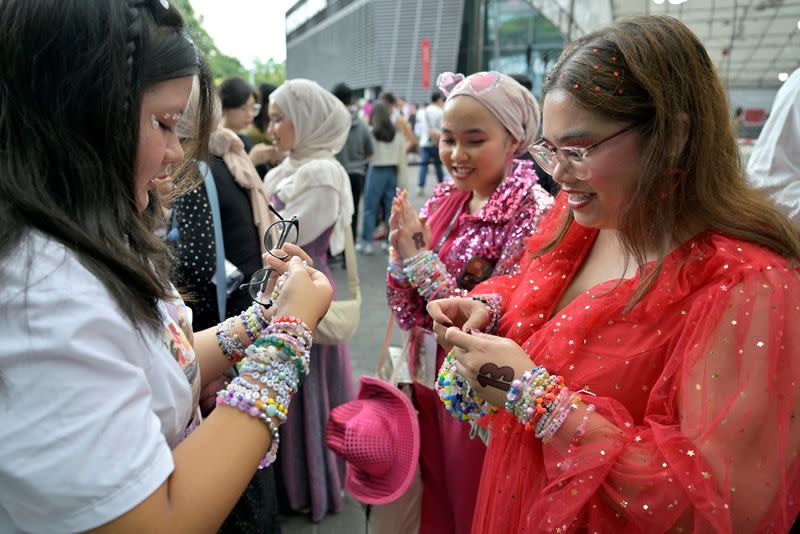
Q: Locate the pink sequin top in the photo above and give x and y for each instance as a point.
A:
(496, 233)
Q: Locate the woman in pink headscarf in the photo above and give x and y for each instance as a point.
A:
(470, 229)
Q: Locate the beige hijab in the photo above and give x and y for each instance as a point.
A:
(321, 124)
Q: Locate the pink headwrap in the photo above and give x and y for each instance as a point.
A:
(513, 105)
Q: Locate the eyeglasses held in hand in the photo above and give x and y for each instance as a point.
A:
(278, 234)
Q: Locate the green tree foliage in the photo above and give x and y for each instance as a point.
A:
(224, 66)
(269, 71)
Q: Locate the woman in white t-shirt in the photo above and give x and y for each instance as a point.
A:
(100, 372)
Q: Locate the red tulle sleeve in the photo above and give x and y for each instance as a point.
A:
(717, 447)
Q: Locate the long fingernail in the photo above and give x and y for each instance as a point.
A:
(447, 322)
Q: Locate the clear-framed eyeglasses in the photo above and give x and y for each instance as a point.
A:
(278, 234)
(573, 159)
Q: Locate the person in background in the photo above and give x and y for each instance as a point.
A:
(644, 376)
(382, 174)
(774, 166)
(87, 310)
(356, 152)
(410, 141)
(429, 125)
(311, 125)
(239, 106)
(258, 132)
(397, 118)
(470, 229)
(366, 109)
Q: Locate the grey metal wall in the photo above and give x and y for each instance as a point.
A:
(377, 43)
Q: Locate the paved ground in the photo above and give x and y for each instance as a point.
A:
(364, 351)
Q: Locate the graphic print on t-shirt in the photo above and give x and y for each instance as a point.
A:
(178, 338)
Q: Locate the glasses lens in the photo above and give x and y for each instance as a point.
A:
(277, 234)
(543, 157)
(256, 109)
(574, 163)
(258, 283)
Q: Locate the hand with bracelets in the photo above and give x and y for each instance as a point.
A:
(270, 375)
(483, 373)
(275, 364)
(478, 312)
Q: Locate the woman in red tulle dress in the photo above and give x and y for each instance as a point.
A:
(659, 304)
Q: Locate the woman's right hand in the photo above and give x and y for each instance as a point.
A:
(464, 313)
(306, 294)
(263, 153)
(409, 234)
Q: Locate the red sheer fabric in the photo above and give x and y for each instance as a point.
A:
(697, 395)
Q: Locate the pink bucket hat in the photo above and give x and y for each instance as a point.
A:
(378, 436)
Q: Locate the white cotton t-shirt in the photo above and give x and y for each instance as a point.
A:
(90, 408)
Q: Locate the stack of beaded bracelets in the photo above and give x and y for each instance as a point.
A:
(269, 377)
(458, 397)
(541, 402)
(395, 267)
(254, 322)
(426, 272)
(533, 395)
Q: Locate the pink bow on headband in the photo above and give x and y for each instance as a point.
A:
(447, 81)
(479, 83)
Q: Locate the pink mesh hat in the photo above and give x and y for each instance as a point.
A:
(378, 436)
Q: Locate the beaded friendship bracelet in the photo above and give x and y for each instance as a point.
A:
(395, 266)
(533, 396)
(458, 397)
(540, 401)
(252, 322)
(426, 272)
(581, 430)
(230, 344)
(269, 377)
(494, 302)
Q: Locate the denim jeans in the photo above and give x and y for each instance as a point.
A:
(380, 188)
(429, 154)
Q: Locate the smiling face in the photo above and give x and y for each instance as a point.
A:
(474, 146)
(281, 129)
(158, 145)
(614, 166)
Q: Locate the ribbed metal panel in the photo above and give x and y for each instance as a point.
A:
(376, 43)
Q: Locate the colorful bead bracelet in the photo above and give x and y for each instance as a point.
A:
(270, 375)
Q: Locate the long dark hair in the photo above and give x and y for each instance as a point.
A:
(382, 127)
(647, 71)
(72, 77)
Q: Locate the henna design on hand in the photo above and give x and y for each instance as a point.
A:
(497, 377)
(419, 241)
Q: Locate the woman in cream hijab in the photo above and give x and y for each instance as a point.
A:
(311, 125)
